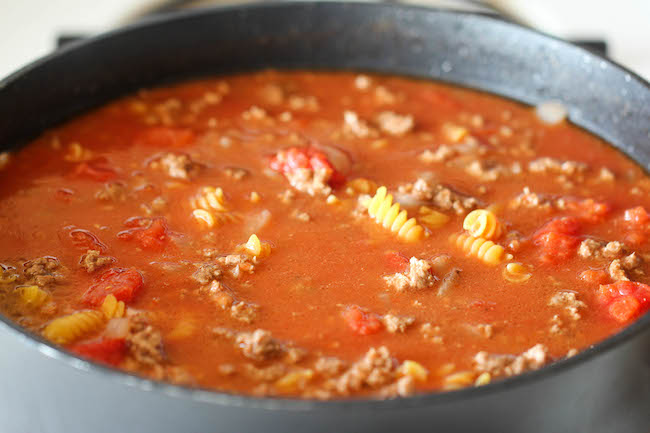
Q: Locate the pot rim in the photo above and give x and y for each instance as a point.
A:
(217, 397)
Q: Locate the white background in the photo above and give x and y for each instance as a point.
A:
(29, 27)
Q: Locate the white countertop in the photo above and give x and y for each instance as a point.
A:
(30, 27)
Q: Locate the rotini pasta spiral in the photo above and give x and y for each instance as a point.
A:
(388, 214)
(66, 329)
(209, 207)
(482, 223)
(481, 248)
(32, 296)
(432, 218)
(516, 273)
(111, 307)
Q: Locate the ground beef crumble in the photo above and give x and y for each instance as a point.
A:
(207, 272)
(93, 260)
(569, 301)
(394, 124)
(620, 269)
(510, 365)
(552, 165)
(310, 181)
(179, 166)
(417, 276)
(144, 342)
(113, 191)
(353, 125)
(42, 271)
(395, 324)
(376, 369)
(438, 195)
(594, 249)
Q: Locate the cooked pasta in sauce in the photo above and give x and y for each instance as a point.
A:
(322, 235)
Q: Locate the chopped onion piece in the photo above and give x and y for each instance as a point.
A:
(551, 112)
(117, 328)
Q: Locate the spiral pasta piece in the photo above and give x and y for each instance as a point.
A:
(209, 207)
(482, 223)
(388, 215)
(66, 329)
(111, 307)
(32, 296)
(516, 273)
(432, 218)
(481, 248)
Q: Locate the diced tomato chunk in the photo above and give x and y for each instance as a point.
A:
(165, 137)
(94, 171)
(122, 283)
(361, 322)
(595, 276)
(396, 262)
(109, 351)
(558, 239)
(590, 210)
(288, 160)
(565, 225)
(153, 237)
(636, 238)
(624, 308)
(625, 299)
(637, 216)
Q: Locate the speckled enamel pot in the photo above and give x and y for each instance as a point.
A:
(603, 389)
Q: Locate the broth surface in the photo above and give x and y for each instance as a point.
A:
(153, 199)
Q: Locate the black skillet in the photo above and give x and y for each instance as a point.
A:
(604, 389)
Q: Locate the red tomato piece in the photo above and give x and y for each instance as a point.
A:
(556, 247)
(288, 160)
(94, 171)
(625, 299)
(637, 216)
(122, 283)
(153, 237)
(396, 262)
(565, 225)
(109, 351)
(558, 239)
(591, 210)
(624, 308)
(361, 322)
(164, 137)
(595, 276)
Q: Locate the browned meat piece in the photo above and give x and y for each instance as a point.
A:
(395, 324)
(312, 182)
(510, 365)
(329, 366)
(552, 165)
(569, 301)
(93, 260)
(395, 124)
(207, 272)
(42, 271)
(113, 191)
(593, 249)
(439, 195)
(144, 342)
(179, 166)
(376, 369)
(244, 311)
(259, 345)
(417, 276)
(238, 263)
